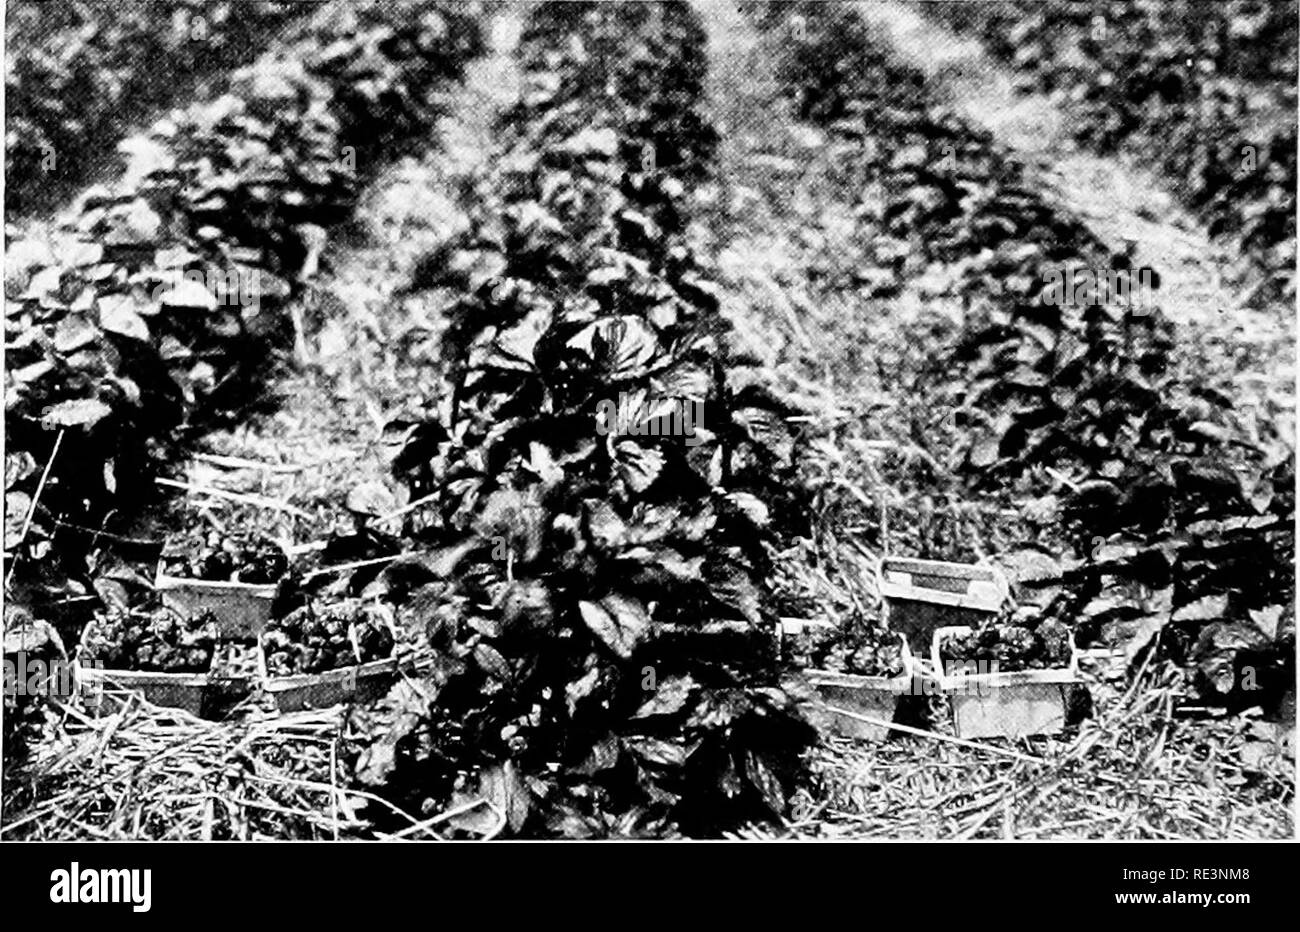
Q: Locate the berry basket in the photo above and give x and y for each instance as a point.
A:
(360, 681)
(1004, 705)
(240, 609)
(105, 691)
(872, 696)
(922, 596)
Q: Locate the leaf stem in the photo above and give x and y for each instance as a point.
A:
(31, 508)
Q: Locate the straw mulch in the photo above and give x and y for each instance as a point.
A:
(154, 773)
(1133, 771)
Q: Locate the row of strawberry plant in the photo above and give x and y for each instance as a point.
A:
(158, 306)
(943, 203)
(1204, 92)
(76, 69)
(595, 596)
(1179, 506)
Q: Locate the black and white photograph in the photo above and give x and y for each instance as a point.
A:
(749, 422)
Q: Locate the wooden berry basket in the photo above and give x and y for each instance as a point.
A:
(922, 596)
(871, 696)
(185, 691)
(196, 693)
(360, 681)
(1005, 705)
(241, 610)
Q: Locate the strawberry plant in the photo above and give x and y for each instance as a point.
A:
(157, 310)
(1038, 380)
(1205, 93)
(595, 600)
(78, 70)
(1161, 467)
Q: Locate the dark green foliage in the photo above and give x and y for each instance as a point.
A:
(77, 69)
(1159, 466)
(159, 308)
(1180, 84)
(596, 603)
